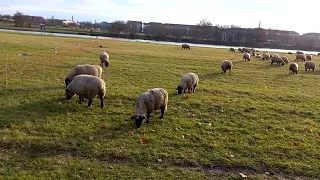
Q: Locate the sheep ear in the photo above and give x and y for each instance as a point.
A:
(132, 118)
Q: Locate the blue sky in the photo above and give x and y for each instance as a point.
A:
(300, 16)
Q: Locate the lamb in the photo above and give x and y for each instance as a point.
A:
(185, 46)
(189, 81)
(293, 67)
(309, 57)
(310, 65)
(225, 65)
(86, 86)
(285, 59)
(266, 56)
(87, 69)
(153, 99)
(278, 60)
(232, 50)
(301, 56)
(246, 56)
(104, 59)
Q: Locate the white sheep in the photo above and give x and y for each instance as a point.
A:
(189, 81)
(87, 69)
(276, 55)
(285, 59)
(309, 57)
(86, 86)
(293, 67)
(266, 56)
(225, 65)
(104, 59)
(246, 56)
(153, 99)
(308, 65)
(301, 56)
(278, 60)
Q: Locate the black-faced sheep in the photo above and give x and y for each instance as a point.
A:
(226, 65)
(86, 86)
(309, 57)
(293, 68)
(266, 56)
(301, 56)
(232, 50)
(154, 99)
(104, 59)
(189, 81)
(278, 60)
(87, 69)
(185, 46)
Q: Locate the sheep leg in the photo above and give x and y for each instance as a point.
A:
(90, 102)
(162, 112)
(101, 100)
(80, 100)
(194, 88)
(148, 116)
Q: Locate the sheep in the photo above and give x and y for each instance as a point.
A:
(104, 59)
(301, 56)
(299, 52)
(285, 59)
(293, 67)
(240, 50)
(246, 56)
(188, 81)
(309, 57)
(225, 65)
(87, 69)
(185, 46)
(232, 50)
(86, 86)
(153, 99)
(277, 55)
(258, 56)
(278, 60)
(310, 65)
(266, 56)
(246, 50)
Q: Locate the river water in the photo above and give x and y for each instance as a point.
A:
(152, 41)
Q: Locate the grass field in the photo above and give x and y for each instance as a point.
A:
(259, 121)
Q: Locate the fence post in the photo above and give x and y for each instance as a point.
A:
(7, 68)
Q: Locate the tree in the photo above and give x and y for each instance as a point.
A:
(117, 26)
(132, 27)
(19, 19)
(205, 26)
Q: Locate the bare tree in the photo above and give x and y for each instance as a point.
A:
(19, 19)
(132, 27)
(117, 27)
(205, 26)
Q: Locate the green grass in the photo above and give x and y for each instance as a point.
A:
(258, 119)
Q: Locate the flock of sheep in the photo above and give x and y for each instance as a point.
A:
(280, 60)
(86, 82)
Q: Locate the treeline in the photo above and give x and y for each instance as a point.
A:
(204, 32)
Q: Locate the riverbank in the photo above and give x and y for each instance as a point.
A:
(78, 31)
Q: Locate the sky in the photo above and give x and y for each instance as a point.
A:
(299, 16)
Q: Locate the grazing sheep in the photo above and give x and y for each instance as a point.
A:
(189, 81)
(86, 86)
(154, 99)
(278, 60)
(266, 56)
(308, 65)
(232, 50)
(87, 69)
(104, 59)
(185, 46)
(246, 56)
(225, 65)
(300, 52)
(258, 56)
(301, 56)
(246, 50)
(309, 57)
(240, 49)
(285, 59)
(277, 55)
(293, 67)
